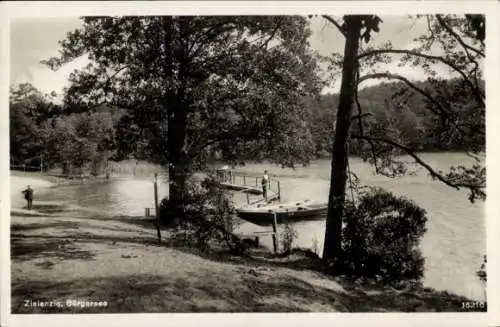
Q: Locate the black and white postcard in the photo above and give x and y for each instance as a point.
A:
(249, 157)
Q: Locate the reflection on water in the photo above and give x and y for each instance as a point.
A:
(453, 245)
(109, 198)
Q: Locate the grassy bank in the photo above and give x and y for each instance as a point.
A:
(117, 259)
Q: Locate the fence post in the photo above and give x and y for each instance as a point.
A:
(244, 180)
(279, 191)
(275, 233)
(248, 198)
(256, 181)
(157, 209)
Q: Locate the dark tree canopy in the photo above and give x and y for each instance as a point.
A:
(241, 80)
(195, 86)
(29, 108)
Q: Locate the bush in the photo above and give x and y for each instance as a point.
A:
(481, 273)
(288, 235)
(381, 238)
(207, 213)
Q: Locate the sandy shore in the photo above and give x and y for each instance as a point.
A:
(19, 183)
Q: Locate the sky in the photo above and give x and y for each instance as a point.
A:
(33, 40)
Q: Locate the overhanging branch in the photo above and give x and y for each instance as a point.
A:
(419, 160)
(334, 22)
(441, 110)
(459, 39)
(477, 92)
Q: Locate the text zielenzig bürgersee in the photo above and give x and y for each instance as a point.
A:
(70, 303)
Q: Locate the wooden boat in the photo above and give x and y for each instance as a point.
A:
(262, 214)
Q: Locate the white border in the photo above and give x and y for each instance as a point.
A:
(492, 77)
(84, 8)
(62, 9)
(4, 166)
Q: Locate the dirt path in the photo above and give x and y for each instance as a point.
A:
(60, 258)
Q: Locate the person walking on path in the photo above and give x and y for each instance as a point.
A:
(28, 195)
(265, 183)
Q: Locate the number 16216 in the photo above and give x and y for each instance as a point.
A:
(474, 305)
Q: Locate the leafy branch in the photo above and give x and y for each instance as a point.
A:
(441, 109)
(477, 92)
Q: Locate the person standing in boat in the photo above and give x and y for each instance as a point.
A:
(265, 183)
(28, 195)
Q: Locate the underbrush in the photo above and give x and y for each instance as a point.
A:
(206, 216)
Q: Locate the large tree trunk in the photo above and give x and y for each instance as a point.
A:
(333, 234)
(176, 143)
(177, 108)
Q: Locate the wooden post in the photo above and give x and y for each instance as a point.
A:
(41, 164)
(279, 191)
(244, 180)
(157, 211)
(24, 167)
(256, 181)
(275, 233)
(107, 169)
(248, 198)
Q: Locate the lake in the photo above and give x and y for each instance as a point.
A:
(453, 246)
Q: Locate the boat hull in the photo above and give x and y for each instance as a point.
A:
(266, 218)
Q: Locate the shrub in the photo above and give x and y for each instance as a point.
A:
(288, 235)
(381, 238)
(481, 273)
(207, 213)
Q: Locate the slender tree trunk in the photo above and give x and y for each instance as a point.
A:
(333, 234)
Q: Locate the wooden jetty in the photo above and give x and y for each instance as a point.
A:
(242, 188)
(250, 185)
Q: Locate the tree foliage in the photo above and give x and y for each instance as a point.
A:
(457, 107)
(79, 140)
(392, 110)
(29, 108)
(194, 86)
(60, 135)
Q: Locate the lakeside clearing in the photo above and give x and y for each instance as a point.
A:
(59, 255)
